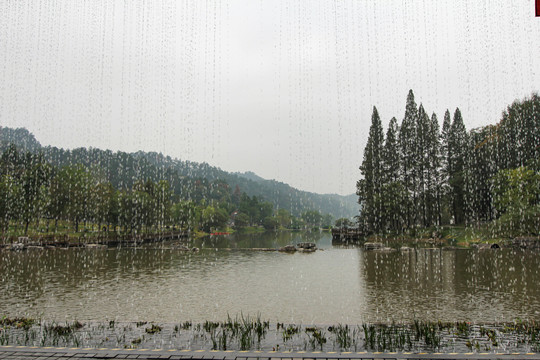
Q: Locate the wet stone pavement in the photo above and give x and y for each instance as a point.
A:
(52, 353)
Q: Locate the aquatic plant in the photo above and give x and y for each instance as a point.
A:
(186, 325)
(316, 337)
(428, 332)
(154, 329)
(463, 328)
(4, 337)
(289, 332)
(210, 326)
(18, 322)
(345, 337)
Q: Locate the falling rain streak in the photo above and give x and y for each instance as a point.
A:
(137, 139)
(281, 88)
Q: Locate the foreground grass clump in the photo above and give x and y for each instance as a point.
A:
(317, 337)
(245, 332)
(18, 322)
(154, 329)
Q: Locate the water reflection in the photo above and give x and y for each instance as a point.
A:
(486, 286)
(334, 285)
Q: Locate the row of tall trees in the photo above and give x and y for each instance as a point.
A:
(420, 174)
(32, 190)
(189, 180)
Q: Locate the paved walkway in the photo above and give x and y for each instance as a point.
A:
(51, 353)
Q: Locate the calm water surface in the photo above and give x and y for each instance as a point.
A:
(337, 285)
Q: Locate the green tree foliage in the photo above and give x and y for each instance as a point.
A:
(434, 178)
(241, 220)
(369, 188)
(77, 182)
(422, 168)
(213, 218)
(284, 218)
(33, 189)
(517, 200)
(408, 157)
(104, 203)
(186, 214)
(391, 153)
(344, 223)
(454, 176)
(327, 221)
(34, 180)
(445, 196)
(255, 208)
(188, 180)
(480, 168)
(392, 189)
(270, 223)
(312, 218)
(9, 200)
(458, 149)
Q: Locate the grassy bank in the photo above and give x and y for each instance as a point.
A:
(447, 236)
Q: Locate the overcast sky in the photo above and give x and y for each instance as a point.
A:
(281, 88)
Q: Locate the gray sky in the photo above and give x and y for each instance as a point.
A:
(281, 88)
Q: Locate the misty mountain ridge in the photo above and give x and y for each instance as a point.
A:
(122, 169)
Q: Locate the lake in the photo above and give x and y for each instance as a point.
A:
(332, 285)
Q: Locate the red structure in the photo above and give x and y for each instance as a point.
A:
(537, 7)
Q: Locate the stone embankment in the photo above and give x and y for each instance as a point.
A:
(524, 243)
(94, 242)
(301, 247)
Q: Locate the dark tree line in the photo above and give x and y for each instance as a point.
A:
(421, 174)
(34, 190)
(122, 169)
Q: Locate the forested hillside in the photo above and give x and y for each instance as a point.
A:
(421, 174)
(188, 180)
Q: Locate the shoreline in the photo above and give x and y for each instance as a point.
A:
(252, 333)
(446, 239)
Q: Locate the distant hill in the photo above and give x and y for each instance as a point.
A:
(250, 176)
(188, 179)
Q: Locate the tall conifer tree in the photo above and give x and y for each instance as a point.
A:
(369, 189)
(423, 147)
(394, 198)
(457, 149)
(391, 153)
(407, 146)
(445, 203)
(434, 173)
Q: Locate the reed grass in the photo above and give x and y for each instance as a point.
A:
(251, 333)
